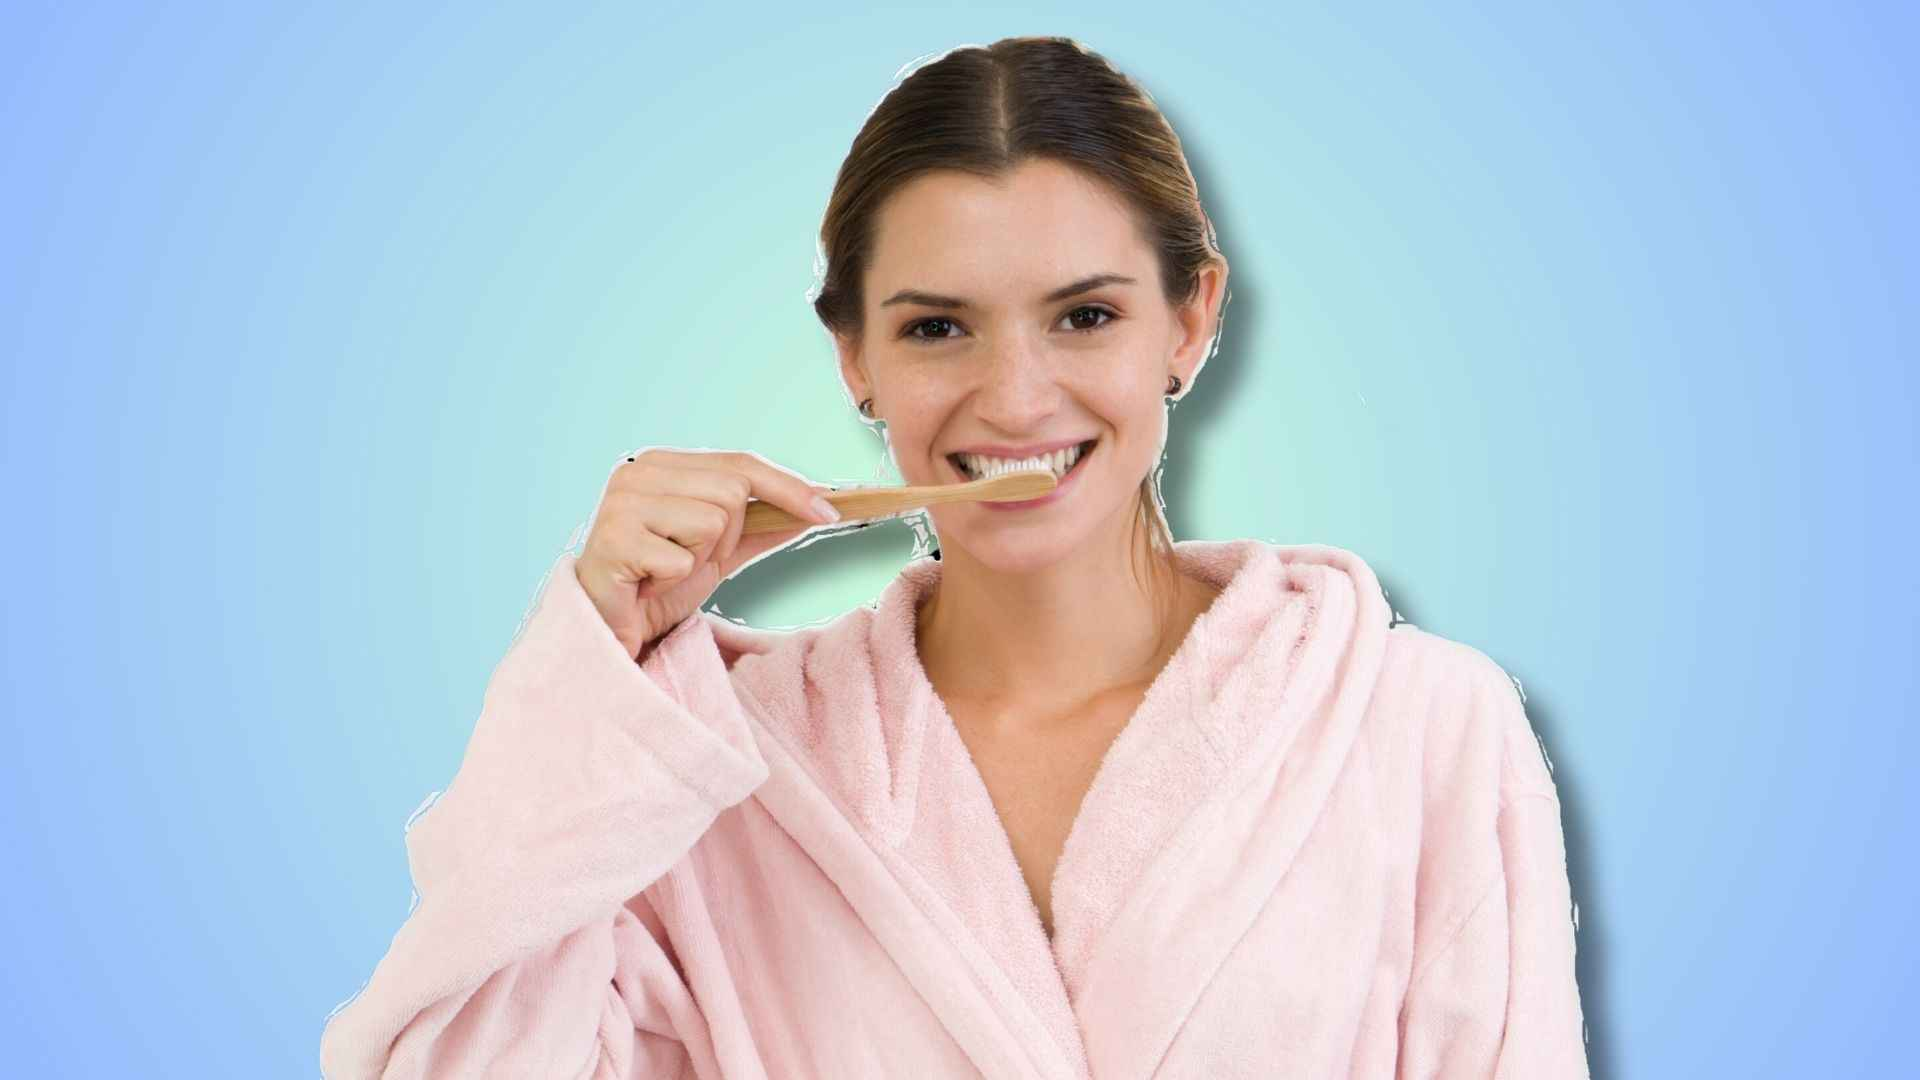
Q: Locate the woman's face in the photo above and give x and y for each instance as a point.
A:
(972, 343)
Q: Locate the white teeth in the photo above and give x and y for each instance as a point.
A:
(981, 467)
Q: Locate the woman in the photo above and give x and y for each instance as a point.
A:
(1071, 799)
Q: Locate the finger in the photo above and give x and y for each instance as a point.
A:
(695, 522)
(747, 549)
(705, 481)
(679, 472)
(772, 483)
(650, 563)
(780, 486)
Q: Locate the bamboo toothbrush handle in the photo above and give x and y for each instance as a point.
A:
(857, 504)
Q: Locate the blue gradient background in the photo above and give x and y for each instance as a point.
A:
(1590, 329)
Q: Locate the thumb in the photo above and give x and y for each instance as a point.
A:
(752, 547)
(748, 547)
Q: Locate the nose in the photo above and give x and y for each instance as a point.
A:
(1020, 387)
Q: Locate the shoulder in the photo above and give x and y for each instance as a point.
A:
(1465, 711)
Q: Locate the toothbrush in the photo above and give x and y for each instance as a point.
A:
(856, 504)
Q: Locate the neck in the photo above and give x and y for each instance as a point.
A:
(1057, 633)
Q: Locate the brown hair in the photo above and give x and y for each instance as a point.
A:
(985, 110)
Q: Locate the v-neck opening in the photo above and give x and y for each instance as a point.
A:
(1177, 665)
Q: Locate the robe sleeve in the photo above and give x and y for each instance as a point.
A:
(1494, 996)
(530, 950)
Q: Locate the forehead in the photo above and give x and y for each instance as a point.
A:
(1035, 229)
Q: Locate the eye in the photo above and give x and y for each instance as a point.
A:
(912, 328)
(1089, 309)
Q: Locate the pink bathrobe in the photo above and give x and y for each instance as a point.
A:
(1323, 847)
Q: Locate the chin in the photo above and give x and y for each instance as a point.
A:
(993, 539)
(1016, 555)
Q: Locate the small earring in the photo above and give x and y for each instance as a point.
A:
(1173, 385)
(866, 408)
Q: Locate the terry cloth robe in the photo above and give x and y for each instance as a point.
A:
(1324, 846)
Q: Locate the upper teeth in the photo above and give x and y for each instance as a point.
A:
(983, 467)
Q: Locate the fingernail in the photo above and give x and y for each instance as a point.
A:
(824, 510)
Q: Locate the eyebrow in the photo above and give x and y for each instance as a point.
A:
(1086, 284)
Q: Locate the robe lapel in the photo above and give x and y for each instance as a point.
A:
(958, 979)
(1173, 751)
(1279, 695)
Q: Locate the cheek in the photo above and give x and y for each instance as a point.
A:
(919, 388)
(918, 424)
(1140, 424)
(1129, 403)
(1133, 372)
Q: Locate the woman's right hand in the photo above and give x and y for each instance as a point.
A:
(667, 533)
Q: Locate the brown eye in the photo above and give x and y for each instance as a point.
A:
(1090, 311)
(914, 328)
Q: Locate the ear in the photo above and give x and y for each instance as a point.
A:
(1196, 321)
(853, 369)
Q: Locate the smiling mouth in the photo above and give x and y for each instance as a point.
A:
(1086, 451)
